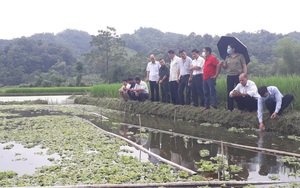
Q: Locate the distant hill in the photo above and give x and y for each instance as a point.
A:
(52, 57)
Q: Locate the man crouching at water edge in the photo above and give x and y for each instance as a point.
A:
(140, 90)
(245, 94)
(275, 103)
(123, 90)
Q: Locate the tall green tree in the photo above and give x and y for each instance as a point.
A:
(289, 51)
(79, 71)
(108, 50)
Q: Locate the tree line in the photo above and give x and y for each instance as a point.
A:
(75, 58)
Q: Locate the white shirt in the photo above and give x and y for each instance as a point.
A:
(199, 63)
(153, 69)
(275, 95)
(250, 88)
(184, 66)
(142, 85)
(127, 86)
(174, 68)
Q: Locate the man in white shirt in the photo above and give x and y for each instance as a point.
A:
(275, 102)
(245, 94)
(153, 76)
(123, 90)
(140, 90)
(173, 76)
(184, 78)
(197, 79)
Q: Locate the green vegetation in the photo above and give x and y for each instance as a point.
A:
(106, 90)
(75, 58)
(87, 154)
(43, 90)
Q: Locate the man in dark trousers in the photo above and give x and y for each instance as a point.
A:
(184, 78)
(274, 100)
(163, 80)
(152, 76)
(197, 80)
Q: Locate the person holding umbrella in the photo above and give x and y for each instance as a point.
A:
(235, 64)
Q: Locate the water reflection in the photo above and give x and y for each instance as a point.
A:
(23, 160)
(186, 152)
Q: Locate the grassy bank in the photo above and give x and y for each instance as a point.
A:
(44, 91)
(286, 124)
(289, 84)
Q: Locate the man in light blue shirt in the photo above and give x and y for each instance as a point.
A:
(275, 102)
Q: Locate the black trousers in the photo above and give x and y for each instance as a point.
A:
(246, 103)
(232, 81)
(154, 91)
(286, 100)
(174, 91)
(165, 94)
(184, 85)
(197, 90)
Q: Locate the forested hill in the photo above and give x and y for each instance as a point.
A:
(67, 58)
(149, 40)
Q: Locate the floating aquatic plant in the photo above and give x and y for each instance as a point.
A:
(9, 146)
(204, 153)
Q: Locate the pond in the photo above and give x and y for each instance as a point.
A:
(182, 143)
(188, 144)
(16, 157)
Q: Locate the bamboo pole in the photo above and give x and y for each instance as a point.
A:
(222, 151)
(145, 150)
(175, 115)
(100, 115)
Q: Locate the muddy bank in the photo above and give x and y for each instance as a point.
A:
(287, 124)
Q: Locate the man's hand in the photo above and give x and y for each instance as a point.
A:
(215, 76)
(274, 115)
(261, 126)
(147, 79)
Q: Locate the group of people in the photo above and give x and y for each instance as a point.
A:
(195, 79)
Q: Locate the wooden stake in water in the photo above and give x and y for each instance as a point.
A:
(101, 115)
(222, 151)
(140, 124)
(175, 115)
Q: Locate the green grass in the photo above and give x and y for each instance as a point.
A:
(44, 90)
(106, 90)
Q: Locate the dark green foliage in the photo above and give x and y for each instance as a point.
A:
(46, 59)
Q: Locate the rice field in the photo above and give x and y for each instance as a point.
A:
(44, 90)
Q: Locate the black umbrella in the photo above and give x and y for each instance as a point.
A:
(239, 47)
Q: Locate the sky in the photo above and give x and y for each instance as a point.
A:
(215, 17)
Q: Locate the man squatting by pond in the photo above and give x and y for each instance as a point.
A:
(199, 77)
